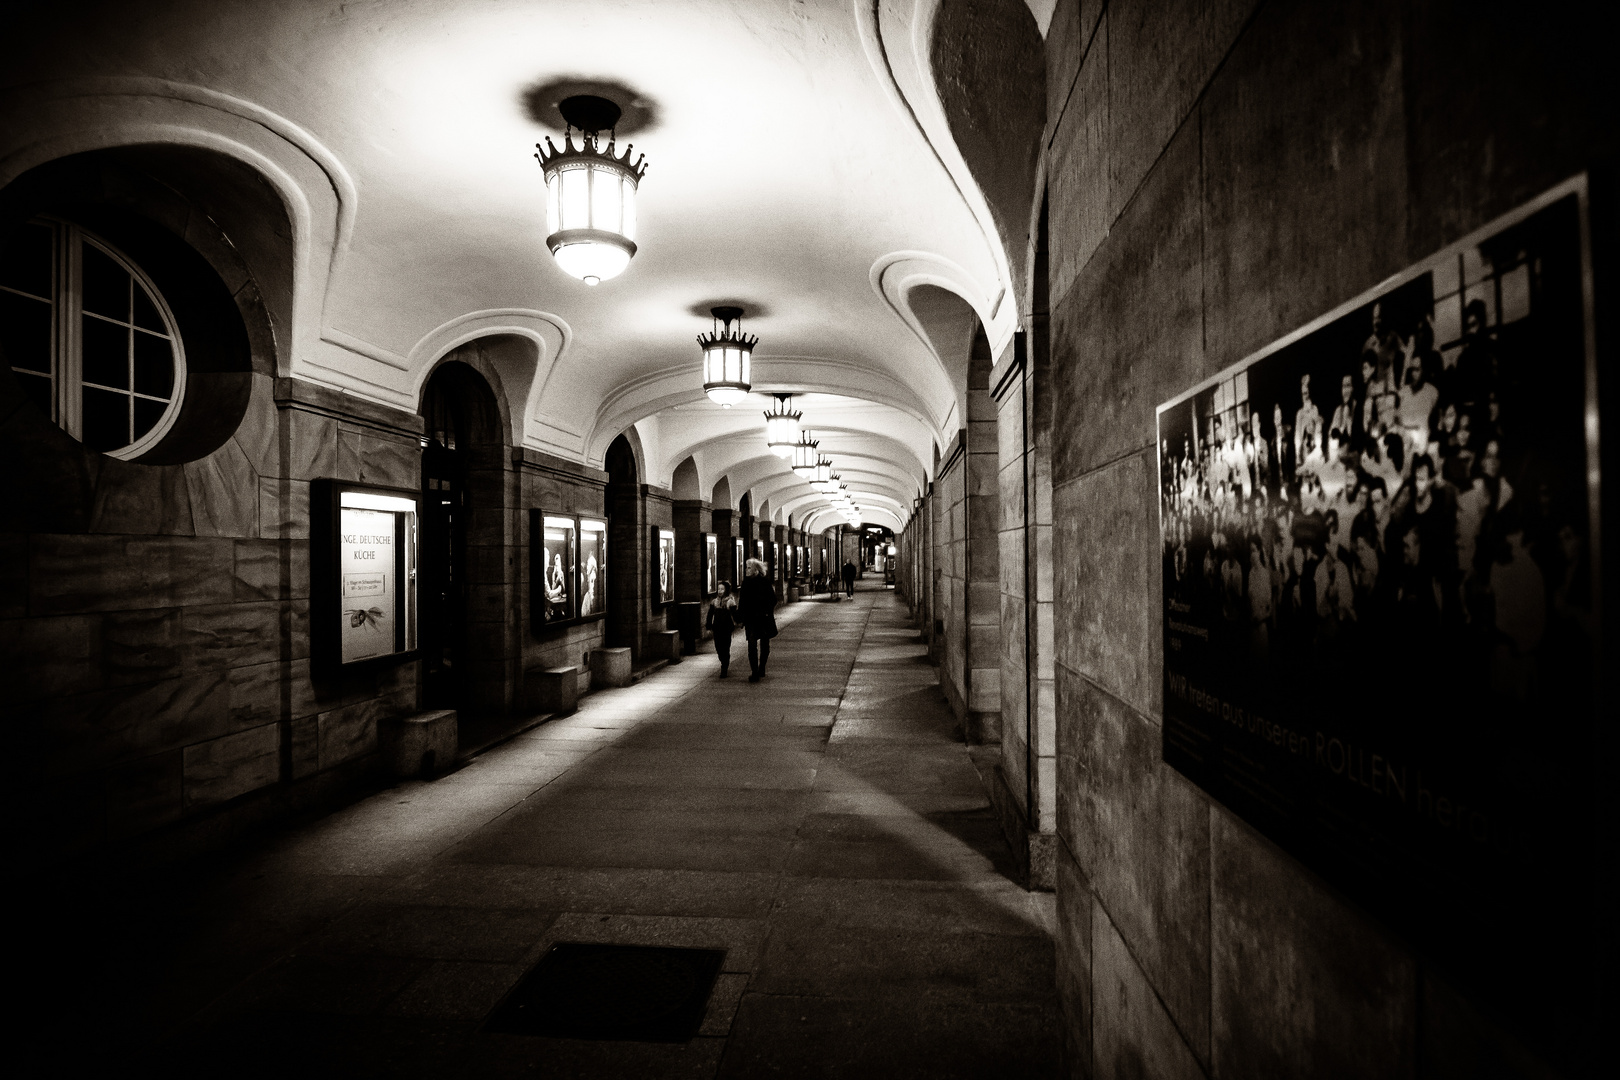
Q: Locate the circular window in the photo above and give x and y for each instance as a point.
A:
(89, 338)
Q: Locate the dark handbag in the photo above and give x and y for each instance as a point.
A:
(773, 626)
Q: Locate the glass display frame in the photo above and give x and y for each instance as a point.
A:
(553, 569)
(711, 564)
(662, 565)
(364, 549)
(592, 567)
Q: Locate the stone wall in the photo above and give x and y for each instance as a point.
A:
(1218, 175)
(155, 625)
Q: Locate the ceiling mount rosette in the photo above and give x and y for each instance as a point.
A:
(590, 193)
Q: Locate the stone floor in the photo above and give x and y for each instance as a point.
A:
(821, 826)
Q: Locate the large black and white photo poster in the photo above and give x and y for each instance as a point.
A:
(555, 568)
(711, 564)
(592, 568)
(1378, 567)
(664, 564)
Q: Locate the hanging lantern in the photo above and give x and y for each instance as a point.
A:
(823, 471)
(590, 194)
(727, 355)
(830, 485)
(782, 426)
(805, 456)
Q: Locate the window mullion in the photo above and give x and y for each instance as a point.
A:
(69, 354)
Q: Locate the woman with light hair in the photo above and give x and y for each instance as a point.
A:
(756, 607)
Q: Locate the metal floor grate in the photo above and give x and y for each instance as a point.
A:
(633, 993)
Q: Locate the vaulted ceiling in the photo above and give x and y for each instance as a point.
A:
(804, 164)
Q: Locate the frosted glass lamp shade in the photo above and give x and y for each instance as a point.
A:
(782, 427)
(590, 208)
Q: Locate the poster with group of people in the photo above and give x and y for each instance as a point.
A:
(1379, 616)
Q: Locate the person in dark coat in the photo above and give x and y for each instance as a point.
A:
(721, 622)
(849, 578)
(756, 606)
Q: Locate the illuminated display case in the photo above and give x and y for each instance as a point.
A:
(663, 565)
(363, 556)
(593, 568)
(738, 561)
(711, 564)
(553, 568)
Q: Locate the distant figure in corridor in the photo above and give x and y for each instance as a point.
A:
(722, 621)
(756, 607)
(850, 573)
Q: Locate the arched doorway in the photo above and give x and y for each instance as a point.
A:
(624, 544)
(460, 416)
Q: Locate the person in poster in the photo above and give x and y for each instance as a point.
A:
(593, 567)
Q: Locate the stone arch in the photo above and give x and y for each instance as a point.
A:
(686, 483)
(720, 499)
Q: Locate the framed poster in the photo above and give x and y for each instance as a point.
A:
(663, 543)
(553, 568)
(776, 562)
(711, 564)
(738, 562)
(593, 568)
(363, 552)
(1380, 623)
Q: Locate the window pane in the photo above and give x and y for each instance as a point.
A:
(154, 366)
(106, 354)
(26, 263)
(38, 390)
(106, 419)
(605, 196)
(629, 210)
(576, 199)
(147, 414)
(25, 332)
(106, 284)
(146, 312)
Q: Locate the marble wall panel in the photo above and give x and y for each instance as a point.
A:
(140, 646)
(223, 768)
(137, 499)
(230, 635)
(77, 573)
(51, 657)
(1074, 963)
(1118, 642)
(350, 732)
(1303, 983)
(1161, 54)
(225, 496)
(1141, 832)
(258, 567)
(1077, 171)
(1130, 332)
(256, 434)
(305, 739)
(1304, 192)
(372, 457)
(1131, 1033)
(311, 443)
(284, 508)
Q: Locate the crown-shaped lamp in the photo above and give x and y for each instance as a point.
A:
(782, 426)
(727, 354)
(805, 457)
(590, 193)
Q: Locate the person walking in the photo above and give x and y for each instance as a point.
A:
(721, 622)
(756, 607)
(849, 578)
